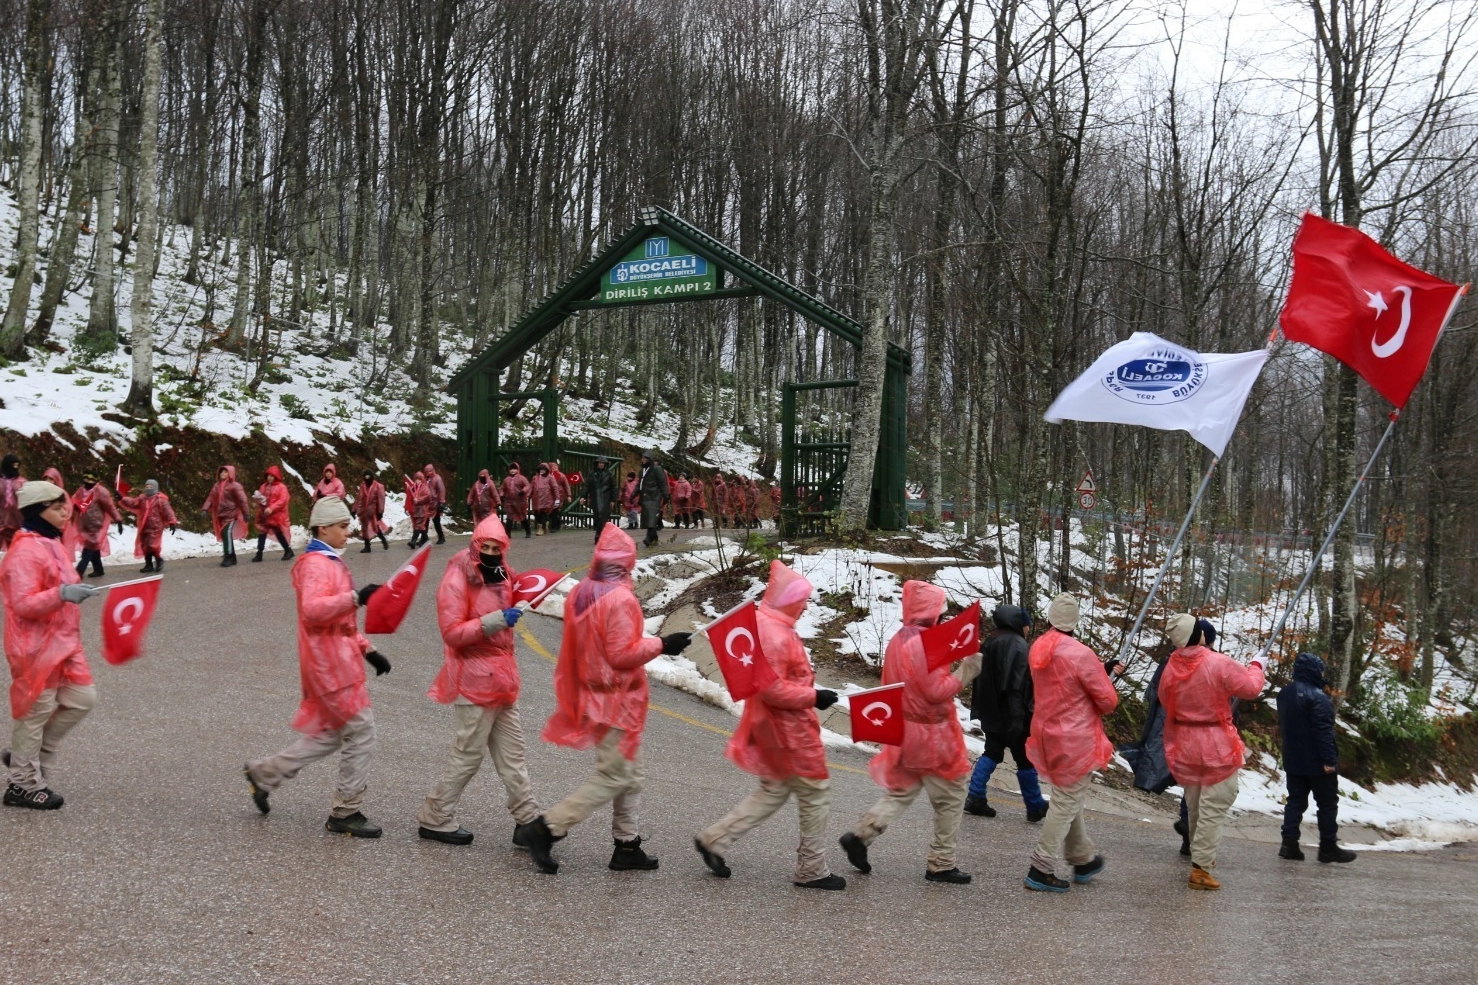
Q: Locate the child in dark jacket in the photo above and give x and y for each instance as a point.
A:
(1310, 760)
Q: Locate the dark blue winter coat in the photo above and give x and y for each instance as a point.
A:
(1147, 756)
(1003, 698)
(1306, 719)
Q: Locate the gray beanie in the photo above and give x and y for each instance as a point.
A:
(1063, 613)
(39, 491)
(328, 511)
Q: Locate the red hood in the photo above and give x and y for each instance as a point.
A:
(230, 472)
(787, 593)
(329, 472)
(490, 529)
(429, 470)
(615, 554)
(274, 472)
(922, 603)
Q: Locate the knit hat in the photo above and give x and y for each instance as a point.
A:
(1063, 613)
(328, 511)
(1185, 629)
(35, 492)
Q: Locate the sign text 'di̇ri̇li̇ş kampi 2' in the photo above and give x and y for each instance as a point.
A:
(653, 272)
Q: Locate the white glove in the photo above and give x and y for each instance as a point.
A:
(494, 622)
(969, 668)
(77, 593)
(1261, 663)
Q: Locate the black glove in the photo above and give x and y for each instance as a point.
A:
(120, 526)
(825, 698)
(1113, 666)
(174, 529)
(675, 643)
(380, 517)
(364, 594)
(377, 660)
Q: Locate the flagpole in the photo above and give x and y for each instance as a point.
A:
(132, 581)
(1169, 559)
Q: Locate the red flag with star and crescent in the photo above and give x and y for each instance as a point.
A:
(877, 715)
(1377, 315)
(953, 640)
(534, 586)
(735, 638)
(126, 614)
(387, 607)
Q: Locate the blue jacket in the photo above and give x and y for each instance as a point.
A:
(1306, 719)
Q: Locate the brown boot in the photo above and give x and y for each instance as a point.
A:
(1201, 879)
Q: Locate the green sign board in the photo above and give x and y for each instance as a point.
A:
(658, 270)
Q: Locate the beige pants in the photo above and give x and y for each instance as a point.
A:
(354, 741)
(1207, 808)
(948, 799)
(617, 781)
(1063, 831)
(494, 732)
(813, 800)
(34, 738)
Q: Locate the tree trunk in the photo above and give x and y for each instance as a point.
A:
(102, 316)
(37, 78)
(140, 400)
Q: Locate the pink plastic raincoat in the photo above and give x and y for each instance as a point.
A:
(330, 647)
(476, 666)
(1202, 746)
(227, 504)
(1072, 692)
(43, 634)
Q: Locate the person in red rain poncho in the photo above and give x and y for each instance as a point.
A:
(932, 757)
(272, 516)
(93, 510)
(483, 498)
(698, 502)
(11, 481)
(228, 511)
(370, 508)
(562, 499)
(152, 512)
(71, 537)
(1203, 748)
(335, 714)
(544, 498)
(330, 484)
(682, 495)
(436, 488)
(631, 501)
(601, 693)
(1073, 691)
(779, 740)
(50, 683)
(720, 499)
(418, 505)
(515, 496)
(479, 679)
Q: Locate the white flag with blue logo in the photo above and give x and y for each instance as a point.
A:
(1146, 380)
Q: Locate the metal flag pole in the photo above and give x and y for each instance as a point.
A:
(1169, 559)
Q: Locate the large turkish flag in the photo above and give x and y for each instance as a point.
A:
(1377, 315)
(735, 637)
(534, 586)
(388, 606)
(877, 715)
(126, 614)
(954, 640)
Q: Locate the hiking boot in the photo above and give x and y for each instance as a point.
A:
(461, 836)
(519, 838)
(825, 882)
(713, 860)
(1045, 882)
(356, 825)
(952, 876)
(159, 566)
(539, 839)
(856, 850)
(629, 856)
(148, 567)
(1334, 853)
(1184, 830)
(228, 560)
(44, 799)
(1290, 850)
(1185, 846)
(1084, 873)
(288, 555)
(366, 549)
(1032, 817)
(979, 807)
(256, 557)
(1201, 879)
(258, 795)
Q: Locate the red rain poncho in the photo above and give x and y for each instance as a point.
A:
(483, 497)
(1197, 686)
(369, 507)
(43, 634)
(272, 515)
(599, 682)
(330, 484)
(153, 514)
(476, 666)
(515, 495)
(92, 512)
(227, 504)
(630, 495)
(330, 647)
(562, 481)
(545, 493)
(720, 495)
(779, 735)
(435, 487)
(696, 500)
(10, 508)
(682, 493)
(1073, 693)
(418, 501)
(933, 742)
(71, 539)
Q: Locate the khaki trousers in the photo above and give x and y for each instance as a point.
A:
(494, 732)
(355, 743)
(813, 800)
(34, 738)
(617, 781)
(948, 800)
(1208, 808)
(1063, 831)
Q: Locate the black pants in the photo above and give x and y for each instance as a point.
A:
(262, 541)
(541, 519)
(997, 744)
(601, 519)
(436, 519)
(95, 558)
(228, 541)
(1325, 788)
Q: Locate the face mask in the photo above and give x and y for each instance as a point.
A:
(492, 568)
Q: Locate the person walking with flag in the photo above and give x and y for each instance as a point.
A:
(272, 515)
(1073, 691)
(152, 513)
(600, 689)
(932, 757)
(228, 511)
(93, 509)
(370, 506)
(335, 715)
(779, 741)
(479, 679)
(51, 687)
(1002, 703)
(436, 489)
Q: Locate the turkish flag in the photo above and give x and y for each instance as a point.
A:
(877, 715)
(953, 640)
(1377, 315)
(126, 613)
(735, 638)
(387, 607)
(534, 586)
(119, 486)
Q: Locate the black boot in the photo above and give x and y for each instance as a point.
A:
(356, 825)
(228, 560)
(384, 543)
(366, 548)
(856, 850)
(1331, 852)
(825, 882)
(629, 856)
(952, 876)
(979, 807)
(287, 553)
(1183, 829)
(256, 557)
(713, 860)
(159, 565)
(539, 839)
(1290, 850)
(148, 567)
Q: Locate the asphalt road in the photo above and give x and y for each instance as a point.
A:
(159, 870)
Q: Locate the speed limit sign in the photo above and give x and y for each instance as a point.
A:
(1087, 500)
(1087, 491)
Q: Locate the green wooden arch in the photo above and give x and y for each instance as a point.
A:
(735, 276)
